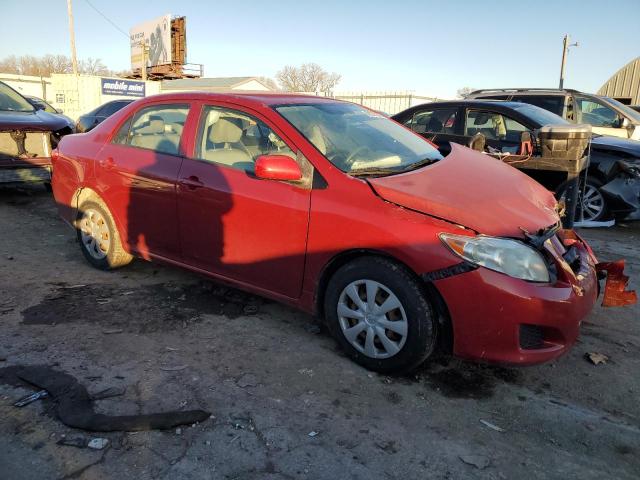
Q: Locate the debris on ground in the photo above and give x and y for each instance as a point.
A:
(313, 434)
(24, 401)
(111, 331)
(478, 461)
(492, 426)
(109, 392)
(615, 293)
(74, 405)
(597, 358)
(75, 441)
(98, 443)
(306, 371)
(247, 380)
(174, 368)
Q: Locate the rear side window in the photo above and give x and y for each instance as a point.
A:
(111, 108)
(552, 103)
(434, 121)
(158, 128)
(493, 126)
(596, 114)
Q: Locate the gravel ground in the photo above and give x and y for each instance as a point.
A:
(285, 402)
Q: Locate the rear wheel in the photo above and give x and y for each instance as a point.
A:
(98, 237)
(590, 198)
(378, 313)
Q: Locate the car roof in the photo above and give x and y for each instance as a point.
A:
(496, 104)
(523, 91)
(263, 99)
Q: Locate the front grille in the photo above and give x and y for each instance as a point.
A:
(531, 337)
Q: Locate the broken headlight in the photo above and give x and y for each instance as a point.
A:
(503, 255)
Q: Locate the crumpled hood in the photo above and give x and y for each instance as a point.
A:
(473, 190)
(38, 120)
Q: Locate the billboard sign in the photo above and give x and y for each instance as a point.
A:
(127, 88)
(156, 35)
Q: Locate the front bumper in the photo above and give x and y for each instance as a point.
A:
(497, 318)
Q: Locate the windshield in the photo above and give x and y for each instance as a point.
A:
(355, 139)
(12, 101)
(538, 115)
(626, 109)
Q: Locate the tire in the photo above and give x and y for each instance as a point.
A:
(99, 239)
(596, 208)
(413, 335)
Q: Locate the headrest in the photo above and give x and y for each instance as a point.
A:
(225, 131)
(317, 138)
(156, 126)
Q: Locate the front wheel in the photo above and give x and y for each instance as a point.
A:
(380, 316)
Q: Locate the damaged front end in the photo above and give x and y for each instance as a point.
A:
(623, 192)
(25, 156)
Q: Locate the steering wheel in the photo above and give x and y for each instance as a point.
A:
(354, 153)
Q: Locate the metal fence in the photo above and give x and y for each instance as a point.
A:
(387, 102)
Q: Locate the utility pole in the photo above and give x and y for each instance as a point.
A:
(143, 45)
(565, 52)
(72, 37)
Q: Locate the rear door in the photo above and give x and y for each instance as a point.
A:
(231, 223)
(501, 132)
(136, 175)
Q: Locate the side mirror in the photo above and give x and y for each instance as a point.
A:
(277, 167)
(59, 111)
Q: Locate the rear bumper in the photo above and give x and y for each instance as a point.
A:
(497, 318)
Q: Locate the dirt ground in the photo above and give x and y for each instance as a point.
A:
(285, 402)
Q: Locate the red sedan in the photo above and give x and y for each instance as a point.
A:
(339, 211)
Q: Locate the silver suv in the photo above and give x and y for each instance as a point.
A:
(605, 115)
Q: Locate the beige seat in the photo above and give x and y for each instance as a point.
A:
(154, 137)
(225, 147)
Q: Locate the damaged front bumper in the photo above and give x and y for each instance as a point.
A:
(511, 321)
(623, 193)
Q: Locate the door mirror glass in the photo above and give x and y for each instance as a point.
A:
(277, 167)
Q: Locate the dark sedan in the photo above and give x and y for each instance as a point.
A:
(612, 186)
(27, 136)
(89, 120)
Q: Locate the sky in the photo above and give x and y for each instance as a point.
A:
(432, 48)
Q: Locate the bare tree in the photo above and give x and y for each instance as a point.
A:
(464, 91)
(309, 77)
(46, 65)
(269, 82)
(93, 66)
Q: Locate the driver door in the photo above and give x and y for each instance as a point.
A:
(231, 223)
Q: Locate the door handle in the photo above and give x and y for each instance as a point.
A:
(192, 182)
(107, 163)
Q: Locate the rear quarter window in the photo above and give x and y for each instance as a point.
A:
(554, 104)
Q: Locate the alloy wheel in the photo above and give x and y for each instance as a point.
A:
(372, 319)
(592, 202)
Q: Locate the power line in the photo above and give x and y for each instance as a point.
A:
(107, 19)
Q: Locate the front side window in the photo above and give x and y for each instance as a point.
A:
(158, 128)
(596, 114)
(493, 125)
(235, 139)
(434, 121)
(357, 140)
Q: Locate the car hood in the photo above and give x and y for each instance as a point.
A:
(473, 190)
(38, 120)
(617, 144)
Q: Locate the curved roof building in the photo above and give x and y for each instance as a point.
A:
(624, 85)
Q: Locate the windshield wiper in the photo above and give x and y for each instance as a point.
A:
(421, 163)
(371, 171)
